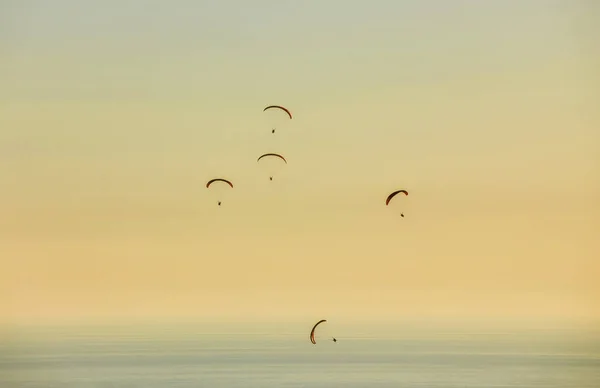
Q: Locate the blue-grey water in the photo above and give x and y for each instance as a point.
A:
(281, 355)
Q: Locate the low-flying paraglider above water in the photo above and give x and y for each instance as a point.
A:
(212, 181)
(270, 156)
(392, 195)
(312, 332)
(289, 114)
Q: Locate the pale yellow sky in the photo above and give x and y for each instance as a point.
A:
(113, 119)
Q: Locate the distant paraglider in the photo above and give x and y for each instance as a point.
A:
(392, 195)
(281, 108)
(272, 155)
(210, 182)
(276, 155)
(312, 332)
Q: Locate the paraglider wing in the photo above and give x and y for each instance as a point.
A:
(276, 155)
(312, 332)
(389, 198)
(279, 107)
(210, 182)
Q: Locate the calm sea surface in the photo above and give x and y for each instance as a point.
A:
(269, 355)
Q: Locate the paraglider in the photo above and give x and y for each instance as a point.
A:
(392, 195)
(210, 182)
(312, 332)
(279, 107)
(289, 114)
(273, 155)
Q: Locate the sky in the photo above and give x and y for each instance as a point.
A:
(114, 114)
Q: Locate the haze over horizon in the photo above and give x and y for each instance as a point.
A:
(114, 115)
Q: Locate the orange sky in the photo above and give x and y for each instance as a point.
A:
(108, 136)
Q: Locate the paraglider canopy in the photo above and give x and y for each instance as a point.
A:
(392, 195)
(210, 182)
(271, 154)
(279, 107)
(312, 332)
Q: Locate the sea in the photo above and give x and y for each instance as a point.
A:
(264, 355)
